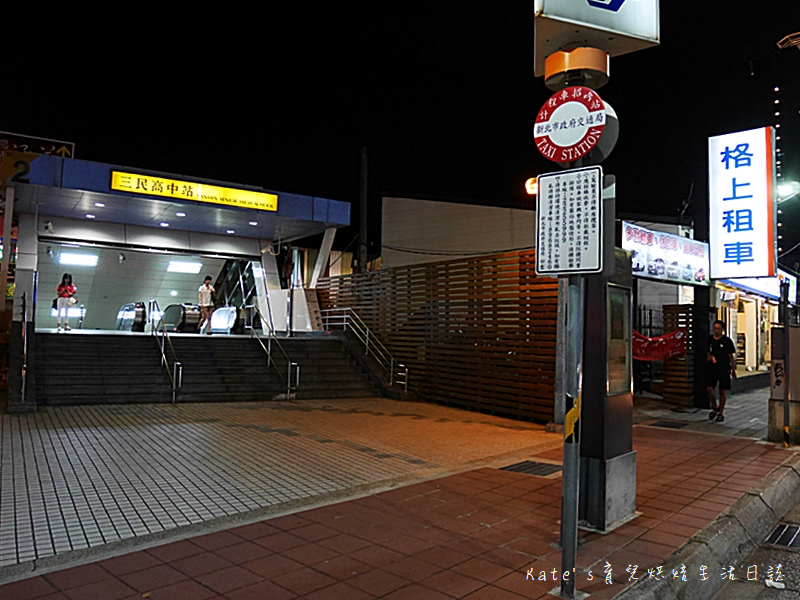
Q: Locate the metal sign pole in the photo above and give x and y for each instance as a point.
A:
(571, 464)
(787, 365)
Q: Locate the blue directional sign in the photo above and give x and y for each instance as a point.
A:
(612, 5)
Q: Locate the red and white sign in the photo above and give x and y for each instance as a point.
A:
(570, 124)
(659, 348)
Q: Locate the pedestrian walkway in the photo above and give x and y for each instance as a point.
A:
(75, 479)
(746, 415)
(482, 534)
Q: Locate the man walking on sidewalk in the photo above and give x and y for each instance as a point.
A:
(721, 367)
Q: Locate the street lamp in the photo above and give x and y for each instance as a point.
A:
(532, 186)
(788, 190)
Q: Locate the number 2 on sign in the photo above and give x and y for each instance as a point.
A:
(24, 167)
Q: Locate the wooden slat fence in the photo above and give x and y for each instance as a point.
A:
(679, 371)
(477, 333)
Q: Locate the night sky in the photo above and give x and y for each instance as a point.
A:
(441, 93)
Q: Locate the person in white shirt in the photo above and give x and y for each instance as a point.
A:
(206, 298)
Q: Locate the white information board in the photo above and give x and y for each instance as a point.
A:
(569, 222)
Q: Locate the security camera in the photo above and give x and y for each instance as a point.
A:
(121, 257)
(50, 251)
(48, 227)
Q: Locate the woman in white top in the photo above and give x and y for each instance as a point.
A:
(206, 298)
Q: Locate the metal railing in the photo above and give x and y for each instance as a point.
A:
(252, 311)
(24, 345)
(348, 320)
(159, 329)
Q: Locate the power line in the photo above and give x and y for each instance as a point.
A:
(453, 252)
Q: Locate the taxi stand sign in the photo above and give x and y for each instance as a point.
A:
(742, 208)
(149, 185)
(569, 222)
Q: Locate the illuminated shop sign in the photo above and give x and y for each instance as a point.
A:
(148, 185)
(742, 215)
(666, 256)
(769, 287)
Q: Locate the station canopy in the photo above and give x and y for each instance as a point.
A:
(81, 190)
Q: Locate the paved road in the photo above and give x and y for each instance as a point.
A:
(751, 576)
(75, 478)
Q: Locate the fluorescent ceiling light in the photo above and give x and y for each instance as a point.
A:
(164, 224)
(231, 231)
(253, 223)
(99, 205)
(173, 293)
(73, 312)
(179, 266)
(180, 214)
(80, 260)
(90, 216)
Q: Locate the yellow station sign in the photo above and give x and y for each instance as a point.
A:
(149, 185)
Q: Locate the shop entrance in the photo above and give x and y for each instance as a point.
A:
(748, 320)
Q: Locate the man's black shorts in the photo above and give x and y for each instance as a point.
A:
(721, 376)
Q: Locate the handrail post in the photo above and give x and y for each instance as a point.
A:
(391, 371)
(367, 337)
(24, 345)
(177, 371)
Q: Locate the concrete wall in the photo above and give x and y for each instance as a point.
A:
(426, 227)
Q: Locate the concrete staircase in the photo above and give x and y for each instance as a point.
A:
(109, 369)
(73, 368)
(224, 368)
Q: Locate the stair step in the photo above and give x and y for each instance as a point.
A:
(110, 369)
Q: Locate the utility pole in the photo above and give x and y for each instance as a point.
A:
(363, 214)
(572, 52)
(787, 364)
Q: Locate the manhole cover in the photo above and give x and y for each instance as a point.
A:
(786, 535)
(669, 424)
(531, 467)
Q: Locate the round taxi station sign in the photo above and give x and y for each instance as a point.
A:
(570, 124)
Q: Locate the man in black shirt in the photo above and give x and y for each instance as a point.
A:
(721, 367)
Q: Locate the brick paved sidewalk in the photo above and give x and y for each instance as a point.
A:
(76, 479)
(473, 535)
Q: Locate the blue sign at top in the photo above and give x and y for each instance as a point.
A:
(612, 5)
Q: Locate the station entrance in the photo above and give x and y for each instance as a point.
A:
(119, 289)
(139, 245)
